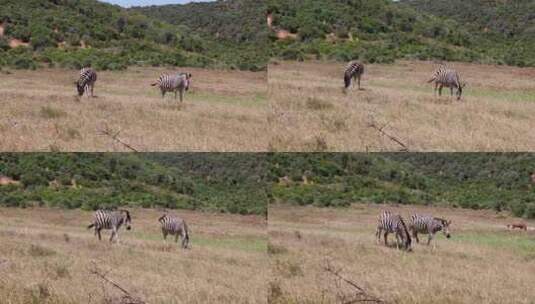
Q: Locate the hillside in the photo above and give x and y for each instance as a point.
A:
(477, 181)
(507, 26)
(73, 33)
(377, 31)
(91, 181)
(235, 24)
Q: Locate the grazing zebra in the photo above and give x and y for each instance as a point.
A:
(172, 83)
(175, 226)
(86, 82)
(427, 224)
(393, 223)
(450, 78)
(108, 219)
(353, 71)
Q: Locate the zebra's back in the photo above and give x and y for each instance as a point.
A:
(87, 76)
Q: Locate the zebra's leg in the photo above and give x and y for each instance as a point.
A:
(436, 89)
(97, 231)
(92, 88)
(163, 93)
(378, 235)
(181, 96)
(429, 238)
(113, 234)
(440, 90)
(358, 80)
(164, 234)
(176, 237)
(386, 238)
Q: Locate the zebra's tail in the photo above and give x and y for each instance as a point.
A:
(91, 226)
(154, 84)
(431, 80)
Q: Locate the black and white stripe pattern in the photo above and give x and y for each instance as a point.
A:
(176, 226)
(179, 82)
(427, 224)
(108, 219)
(86, 82)
(353, 71)
(449, 78)
(393, 223)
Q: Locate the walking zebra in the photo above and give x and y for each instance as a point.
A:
(108, 219)
(427, 224)
(86, 82)
(353, 71)
(172, 83)
(175, 226)
(450, 78)
(393, 223)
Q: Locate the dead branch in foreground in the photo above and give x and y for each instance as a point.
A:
(373, 125)
(114, 136)
(126, 298)
(358, 294)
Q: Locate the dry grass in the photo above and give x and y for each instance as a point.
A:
(309, 112)
(483, 262)
(46, 255)
(224, 111)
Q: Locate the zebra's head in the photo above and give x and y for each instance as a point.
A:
(127, 220)
(405, 235)
(445, 227)
(80, 88)
(161, 219)
(187, 80)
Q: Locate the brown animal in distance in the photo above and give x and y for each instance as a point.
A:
(520, 226)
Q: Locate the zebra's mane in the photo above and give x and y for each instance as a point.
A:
(443, 221)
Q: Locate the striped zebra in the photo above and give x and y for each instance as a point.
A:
(393, 223)
(86, 82)
(353, 71)
(427, 224)
(179, 82)
(175, 226)
(447, 77)
(110, 219)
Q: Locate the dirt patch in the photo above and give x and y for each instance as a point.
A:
(13, 43)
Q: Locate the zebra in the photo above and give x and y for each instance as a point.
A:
(427, 224)
(447, 77)
(175, 226)
(172, 83)
(86, 82)
(393, 223)
(110, 219)
(353, 71)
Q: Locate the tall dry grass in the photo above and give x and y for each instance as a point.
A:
(483, 262)
(309, 112)
(224, 111)
(46, 256)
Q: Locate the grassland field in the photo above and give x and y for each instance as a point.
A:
(46, 256)
(223, 111)
(309, 111)
(482, 262)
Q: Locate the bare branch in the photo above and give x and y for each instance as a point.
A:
(373, 125)
(359, 294)
(127, 298)
(115, 136)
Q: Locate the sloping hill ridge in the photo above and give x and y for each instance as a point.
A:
(237, 25)
(382, 31)
(476, 180)
(90, 181)
(73, 33)
(507, 26)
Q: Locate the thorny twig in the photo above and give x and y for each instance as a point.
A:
(360, 295)
(114, 135)
(127, 298)
(373, 125)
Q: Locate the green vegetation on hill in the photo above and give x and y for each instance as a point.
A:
(382, 31)
(74, 33)
(238, 26)
(225, 182)
(506, 28)
(477, 181)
